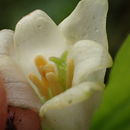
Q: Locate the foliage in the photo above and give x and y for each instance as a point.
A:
(114, 113)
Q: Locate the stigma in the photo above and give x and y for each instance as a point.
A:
(54, 79)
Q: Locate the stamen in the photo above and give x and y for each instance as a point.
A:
(40, 85)
(70, 73)
(50, 93)
(49, 68)
(53, 83)
(53, 80)
(40, 61)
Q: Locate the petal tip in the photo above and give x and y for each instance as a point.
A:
(87, 21)
(34, 16)
(6, 31)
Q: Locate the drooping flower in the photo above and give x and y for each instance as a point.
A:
(65, 64)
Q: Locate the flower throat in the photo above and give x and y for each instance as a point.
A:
(54, 78)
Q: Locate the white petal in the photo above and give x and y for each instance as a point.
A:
(6, 40)
(19, 93)
(9, 70)
(36, 34)
(87, 22)
(71, 110)
(90, 60)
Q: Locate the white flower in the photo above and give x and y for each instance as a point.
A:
(83, 36)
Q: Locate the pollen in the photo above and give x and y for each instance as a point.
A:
(48, 84)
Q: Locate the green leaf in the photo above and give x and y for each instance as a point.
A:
(114, 113)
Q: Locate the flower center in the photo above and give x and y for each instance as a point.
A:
(54, 78)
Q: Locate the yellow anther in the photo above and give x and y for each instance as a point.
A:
(40, 85)
(53, 83)
(40, 61)
(48, 84)
(49, 68)
(70, 73)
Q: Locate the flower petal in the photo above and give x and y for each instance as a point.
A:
(19, 93)
(87, 22)
(6, 40)
(36, 34)
(90, 60)
(71, 110)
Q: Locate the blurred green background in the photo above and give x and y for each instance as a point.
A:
(118, 24)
